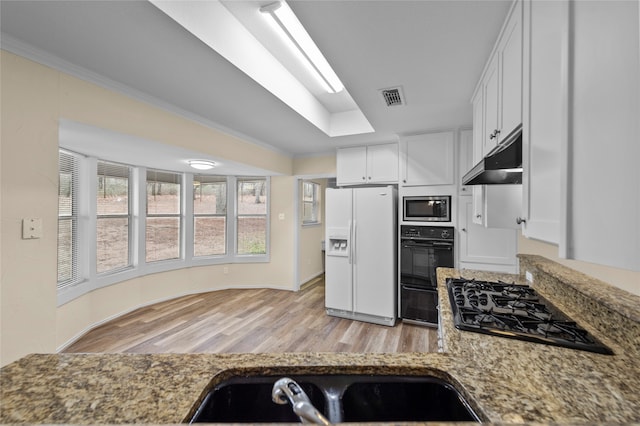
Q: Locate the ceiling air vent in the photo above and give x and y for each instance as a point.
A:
(393, 96)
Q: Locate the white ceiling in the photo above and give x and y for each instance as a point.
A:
(434, 49)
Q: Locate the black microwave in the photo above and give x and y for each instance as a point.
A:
(430, 208)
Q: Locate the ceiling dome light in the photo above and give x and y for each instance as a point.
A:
(202, 164)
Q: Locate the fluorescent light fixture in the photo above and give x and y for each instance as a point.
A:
(202, 164)
(287, 21)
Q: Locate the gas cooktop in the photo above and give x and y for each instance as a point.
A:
(515, 311)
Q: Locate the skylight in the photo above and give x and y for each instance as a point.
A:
(239, 32)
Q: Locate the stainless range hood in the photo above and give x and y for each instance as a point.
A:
(502, 165)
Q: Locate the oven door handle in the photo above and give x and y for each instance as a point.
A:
(428, 245)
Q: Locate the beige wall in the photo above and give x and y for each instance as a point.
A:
(310, 259)
(622, 278)
(315, 166)
(33, 99)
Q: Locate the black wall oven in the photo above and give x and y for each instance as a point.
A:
(422, 250)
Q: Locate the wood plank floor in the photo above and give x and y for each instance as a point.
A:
(258, 321)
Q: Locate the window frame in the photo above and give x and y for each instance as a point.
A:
(315, 203)
(195, 215)
(128, 216)
(237, 216)
(180, 215)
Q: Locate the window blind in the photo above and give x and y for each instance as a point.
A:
(67, 218)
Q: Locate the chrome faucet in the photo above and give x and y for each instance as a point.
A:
(286, 390)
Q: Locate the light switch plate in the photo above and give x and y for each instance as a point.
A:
(31, 228)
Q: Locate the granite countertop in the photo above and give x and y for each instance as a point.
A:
(504, 380)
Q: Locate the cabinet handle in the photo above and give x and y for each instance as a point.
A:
(495, 134)
(520, 220)
(369, 177)
(464, 229)
(404, 181)
(478, 216)
(363, 178)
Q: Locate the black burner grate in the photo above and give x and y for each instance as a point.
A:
(515, 311)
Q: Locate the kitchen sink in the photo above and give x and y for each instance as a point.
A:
(248, 400)
(340, 398)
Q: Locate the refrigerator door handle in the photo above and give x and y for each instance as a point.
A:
(350, 242)
(353, 241)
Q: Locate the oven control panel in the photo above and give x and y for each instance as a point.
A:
(427, 232)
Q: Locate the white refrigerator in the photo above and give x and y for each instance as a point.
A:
(360, 254)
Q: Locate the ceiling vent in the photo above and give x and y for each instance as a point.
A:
(393, 96)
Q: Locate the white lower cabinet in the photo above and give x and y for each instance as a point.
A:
(484, 248)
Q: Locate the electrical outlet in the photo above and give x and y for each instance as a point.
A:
(529, 276)
(225, 270)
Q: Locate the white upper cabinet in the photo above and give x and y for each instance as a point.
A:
(427, 159)
(382, 163)
(363, 165)
(511, 73)
(491, 90)
(497, 111)
(601, 201)
(501, 84)
(545, 25)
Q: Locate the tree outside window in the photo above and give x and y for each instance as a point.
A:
(252, 216)
(113, 224)
(209, 215)
(163, 224)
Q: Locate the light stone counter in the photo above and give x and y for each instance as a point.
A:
(504, 380)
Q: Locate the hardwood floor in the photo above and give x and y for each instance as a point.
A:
(260, 320)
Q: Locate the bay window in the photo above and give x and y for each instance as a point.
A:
(117, 222)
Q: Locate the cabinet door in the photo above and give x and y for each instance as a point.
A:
(382, 163)
(542, 136)
(502, 206)
(478, 128)
(510, 49)
(477, 216)
(351, 165)
(480, 245)
(465, 159)
(428, 159)
(491, 105)
(601, 207)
